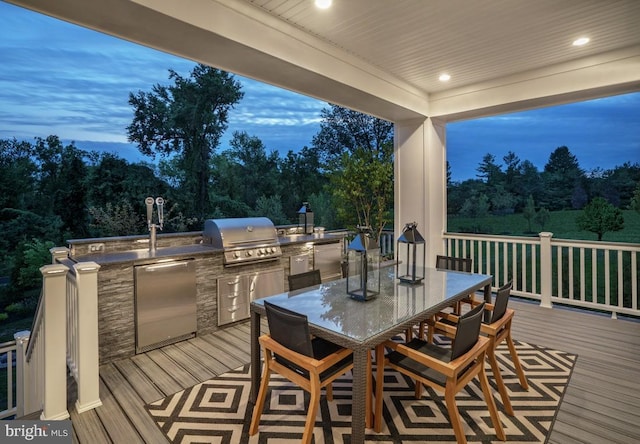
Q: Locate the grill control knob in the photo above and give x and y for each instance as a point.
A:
(236, 254)
(249, 253)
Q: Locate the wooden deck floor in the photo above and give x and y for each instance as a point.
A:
(601, 405)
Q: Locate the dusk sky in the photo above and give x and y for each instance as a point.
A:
(60, 79)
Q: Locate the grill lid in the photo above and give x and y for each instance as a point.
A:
(248, 239)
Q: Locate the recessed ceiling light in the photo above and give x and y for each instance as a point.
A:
(581, 41)
(323, 4)
(444, 77)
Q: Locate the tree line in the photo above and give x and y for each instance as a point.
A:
(517, 186)
(51, 191)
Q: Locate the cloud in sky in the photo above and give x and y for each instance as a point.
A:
(58, 78)
(62, 79)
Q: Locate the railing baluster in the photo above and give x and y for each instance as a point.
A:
(582, 275)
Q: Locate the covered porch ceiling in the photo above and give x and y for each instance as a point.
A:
(384, 57)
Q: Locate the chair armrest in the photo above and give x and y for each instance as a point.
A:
(306, 362)
(446, 368)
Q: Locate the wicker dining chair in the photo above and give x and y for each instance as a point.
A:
(303, 280)
(445, 370)
(311, 363)
(497, 329)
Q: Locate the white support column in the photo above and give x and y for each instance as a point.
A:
(420, 181)
(546, 261)
(23, 390)
(58, 253)
(55, 342)
(87, 337)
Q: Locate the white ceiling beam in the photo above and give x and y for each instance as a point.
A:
(617, 72)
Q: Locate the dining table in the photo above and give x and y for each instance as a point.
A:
(363, 325)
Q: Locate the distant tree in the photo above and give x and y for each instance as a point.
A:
(271, 207)
(600, 217)
(363, 188)
(345, 130)
(635, 200)
(475, 207)
(512, 172)
(324, 212)
(256, 170)
(502, 201)
(116, 219)
(562, 174)
(300, 177)
(529, 211)
(529, 183)
(186, 119)
(489, 171)
(62, 187)
(542, 217)
(458, 193)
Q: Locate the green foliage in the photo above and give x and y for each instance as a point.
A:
(116, 219)
(529, 211)
(561, 223)
(599, 216)
(474, 209)
(3, 317)
(635, 200)
(363, 189)
(343, 130)
(323, 210)
(542, 217)
(35, 254)
(271, 207)
(187, 120)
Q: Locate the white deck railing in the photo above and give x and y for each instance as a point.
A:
(7, 356)
(594, 275)
(64, 334)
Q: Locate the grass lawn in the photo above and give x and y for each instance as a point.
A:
(561, 223)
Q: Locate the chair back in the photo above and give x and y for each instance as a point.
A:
(467, 332)
(289, 329)
(501, 302)
(302, 280)
(454, 263)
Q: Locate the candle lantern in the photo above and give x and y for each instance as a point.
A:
(305, 218)
(363, 271)
(410, 248)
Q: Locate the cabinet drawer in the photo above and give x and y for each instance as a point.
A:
(233, 313)
(231, 299)
(232, 285)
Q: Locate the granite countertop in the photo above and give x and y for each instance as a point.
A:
(143, 255)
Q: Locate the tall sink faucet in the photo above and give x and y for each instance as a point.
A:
(159, 201)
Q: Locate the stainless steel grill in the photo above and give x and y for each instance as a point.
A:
(244, 240)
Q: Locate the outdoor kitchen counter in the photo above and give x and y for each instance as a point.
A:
(143, 256)
(120, 256)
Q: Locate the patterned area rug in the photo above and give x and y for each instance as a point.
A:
(216, 410)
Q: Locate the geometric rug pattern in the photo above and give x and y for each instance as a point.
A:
(216, 411)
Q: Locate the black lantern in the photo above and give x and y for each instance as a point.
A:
(305, 218)
(363, 270)
(409, 244)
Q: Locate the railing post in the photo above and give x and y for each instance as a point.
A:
(87, 337)
(23, 390)
(58, 253)
(55, 342)
(546, 265)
